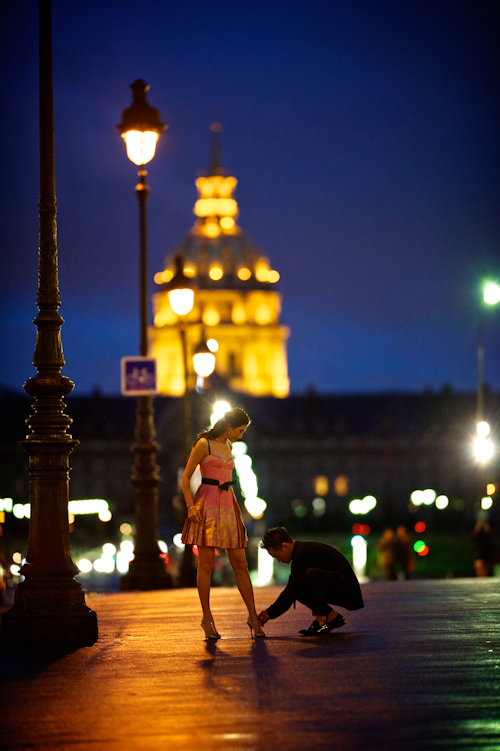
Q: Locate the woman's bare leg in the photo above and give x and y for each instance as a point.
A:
(238, 561)
(203, 582)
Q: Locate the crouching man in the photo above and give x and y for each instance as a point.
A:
(320, 577)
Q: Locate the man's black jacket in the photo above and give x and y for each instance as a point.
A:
(318, 555)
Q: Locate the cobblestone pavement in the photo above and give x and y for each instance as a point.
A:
(419, 667)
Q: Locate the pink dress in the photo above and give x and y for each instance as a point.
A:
(221, 525)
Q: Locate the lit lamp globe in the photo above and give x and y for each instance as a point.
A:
(181, 293)
(483, 429)
(140, 126)
(491, 293)
(203, 361)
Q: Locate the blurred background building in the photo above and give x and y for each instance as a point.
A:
(236, 305)
(334, 447)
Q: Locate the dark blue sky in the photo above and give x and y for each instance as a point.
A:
(364, 136)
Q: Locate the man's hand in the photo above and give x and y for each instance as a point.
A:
(263, 617)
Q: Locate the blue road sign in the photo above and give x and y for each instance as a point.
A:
(138, 376)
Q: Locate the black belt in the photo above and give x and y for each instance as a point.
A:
(224, 486)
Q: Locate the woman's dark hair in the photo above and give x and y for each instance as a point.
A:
(274, 538)
(233, 418)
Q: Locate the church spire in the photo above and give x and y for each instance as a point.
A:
(216, 167)
(216, 208)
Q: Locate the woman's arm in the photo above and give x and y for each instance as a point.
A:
(199, 452)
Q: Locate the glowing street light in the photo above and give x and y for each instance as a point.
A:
(180, 290)
(483, 429)
(484, 448)
(141, 127)
(491, 293)
(491, 296)
(203, 360)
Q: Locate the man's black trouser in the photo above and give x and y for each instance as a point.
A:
(321, 587)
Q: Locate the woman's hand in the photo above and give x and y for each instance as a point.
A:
(194, 515)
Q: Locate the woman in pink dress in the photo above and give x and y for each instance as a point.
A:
(214, 517)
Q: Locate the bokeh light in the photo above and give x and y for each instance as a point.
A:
(483, 449)
(442, 501)
(491, 294)
(84, 565)
(255, 507)
(361, 529)
(483, 429)
(319, 506)
(177, 540)
(364, 506)
(213, 345)
(220, 409)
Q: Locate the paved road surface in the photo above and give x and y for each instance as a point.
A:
(419, 667)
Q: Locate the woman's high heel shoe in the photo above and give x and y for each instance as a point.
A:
(214, 634)
(252, 626)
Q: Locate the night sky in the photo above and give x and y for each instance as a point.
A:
(364, 136)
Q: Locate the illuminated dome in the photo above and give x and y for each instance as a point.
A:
(216, 251)
(236, 300)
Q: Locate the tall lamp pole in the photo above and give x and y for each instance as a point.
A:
(141, 127)
(49, 604)
(483, 445)
(490, 296)
(181, 298)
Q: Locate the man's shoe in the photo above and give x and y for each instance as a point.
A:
(315, 629)
(337, 622)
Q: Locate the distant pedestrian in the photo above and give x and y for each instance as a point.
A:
(389, 547)
(214, 517)
(484, 548)
(404, 559)
(320, 577)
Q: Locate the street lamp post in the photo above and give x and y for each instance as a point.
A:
(49, 604)
(484, 448)
(141, 127)
(181, 297)
(490, 296)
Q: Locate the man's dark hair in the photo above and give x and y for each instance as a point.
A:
(274, 538)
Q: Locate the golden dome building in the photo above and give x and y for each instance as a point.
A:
(236, 300)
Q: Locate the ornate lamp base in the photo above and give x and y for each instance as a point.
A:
(45, 610)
